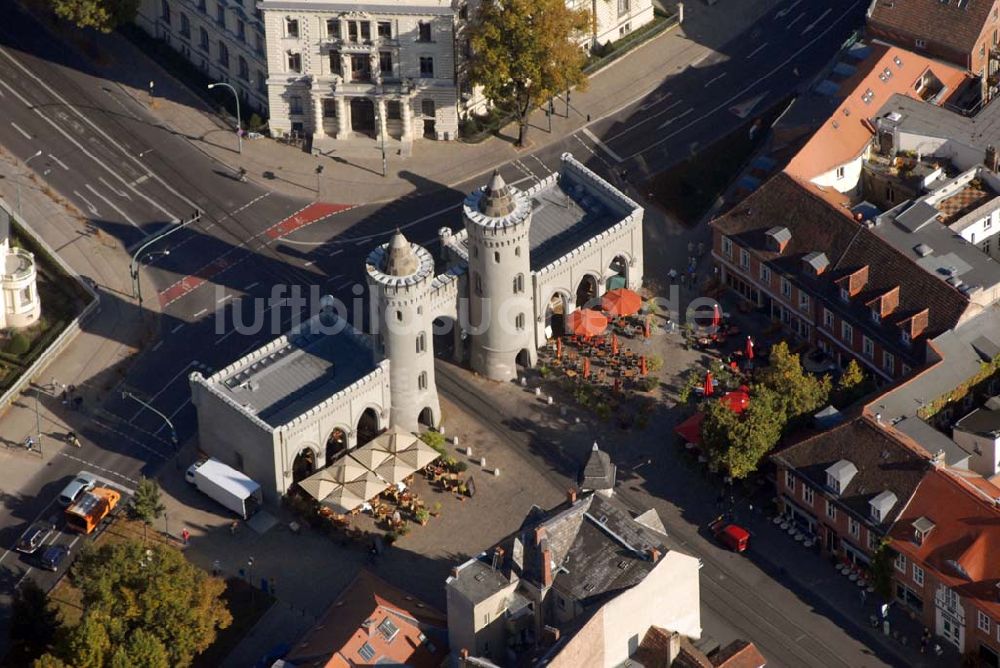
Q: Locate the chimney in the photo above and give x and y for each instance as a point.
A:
(454, 571)
(571, 495)
(546, 568)
(991, 158)
(654, 554)
(674, 648)
(539, 535)
(463, 654)
(859, 217)
(550, 635)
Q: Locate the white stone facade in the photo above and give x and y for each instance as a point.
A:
(224, 38)
(613, 19)
(20, 305)
(384, 70)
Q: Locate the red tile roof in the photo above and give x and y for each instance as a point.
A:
(420, 637)
(961, 549)
(845, 135)
(954, 24)
(739, 654)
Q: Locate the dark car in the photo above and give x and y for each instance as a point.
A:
(33, 538)
(53, 556)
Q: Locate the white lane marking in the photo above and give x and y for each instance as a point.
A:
(700, 59)
(796, 20)
(675, 118)
(110, 187)
(157, 346)
(784, 12)
(201, 312)
(756, 51)
(653, 103)
(714, 79)
(336, 252)
(725, 104)
(223, 299)
(252, 285)
(644, 119)
(309, 263)
(113, 206)
(141, 179)
(601, 145)
(90, 207)
(142, 167)
(59, 162)
(177, 328)
(343, 285)
(21, 130)
(813, 24)
(83, 150)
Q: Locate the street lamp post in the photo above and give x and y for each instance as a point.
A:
(381, 132)
(173, 431)
(38, 424)
(18, 181)
(239, 121)
(133, 267)
(136, 283)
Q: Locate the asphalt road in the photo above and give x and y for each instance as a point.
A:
(101, 150)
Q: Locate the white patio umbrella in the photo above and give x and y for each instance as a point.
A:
(394, 440)
(345, 470)
(342, 500)
(369, 457)
(366, 487)
(394, 470)
(318, 485)
(418, 455)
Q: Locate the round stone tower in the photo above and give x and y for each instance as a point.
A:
(501, 315)
(399, 282)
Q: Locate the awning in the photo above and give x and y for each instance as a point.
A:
(690, 429)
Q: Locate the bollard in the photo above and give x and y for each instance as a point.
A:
(468, 451)
(549, 401)
(538, 391)
(454, 440)
(482, 462)
(524, 381)
(496, 473)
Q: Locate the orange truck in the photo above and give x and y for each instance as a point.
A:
(91, 508)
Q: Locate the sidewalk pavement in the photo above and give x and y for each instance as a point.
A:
(352, 173)
(96, 360)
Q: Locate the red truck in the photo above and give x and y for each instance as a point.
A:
(733, 536)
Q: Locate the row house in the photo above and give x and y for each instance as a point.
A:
(223, 38)
(802, 257)
(946, 571)
(965, 33)
(846, 486)
(380, 70)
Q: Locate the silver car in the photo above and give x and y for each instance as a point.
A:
(83, 482)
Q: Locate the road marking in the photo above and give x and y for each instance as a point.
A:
(756, 51)
(675, 118)
(110, 187)
(113, 206)
(725, 104)
(343, 285)
(714, 79)
(645, 119)
(201, 312)
(157, 346)
(784, 12)
(601, 145)
(656, 101)
(813, 24)
(336, 252)
(141, 179)
(223, 298)
(90, 207)
(21, 130)
(796, 20)
(698, 61)
(252, 285)
(59, 162)
(177, 328)
(309, 263)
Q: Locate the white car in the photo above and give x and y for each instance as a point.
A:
(83, 482)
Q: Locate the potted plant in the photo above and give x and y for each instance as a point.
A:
(436, 509)
(422, 515)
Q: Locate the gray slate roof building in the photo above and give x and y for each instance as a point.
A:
(599, 472)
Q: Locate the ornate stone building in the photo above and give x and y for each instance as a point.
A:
(499, 290)
(20, 305)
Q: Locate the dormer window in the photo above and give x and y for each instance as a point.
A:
(839, 475)
(904, 336)
(922, 528)
(845, 295)
(876, 316)
(881, 505)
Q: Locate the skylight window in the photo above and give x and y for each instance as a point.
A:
(388, 629)
(367, 652)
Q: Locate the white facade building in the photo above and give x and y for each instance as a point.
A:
(224, 38)
(383, 69)
(522, 262)
(613, 19)
(20, 305)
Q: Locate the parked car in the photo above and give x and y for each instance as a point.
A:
(83, 482)
(733, 536)
(34, 537)
(53, 556)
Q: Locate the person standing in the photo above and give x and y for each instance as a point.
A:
(185, 535)
(216, 568)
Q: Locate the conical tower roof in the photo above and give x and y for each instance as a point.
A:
(498, 200)
(400, 260)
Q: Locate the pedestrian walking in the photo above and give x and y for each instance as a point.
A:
(185, 535)
(216, 568)
(864, 596)
(925, 639)
(65, 398)
(234, 527)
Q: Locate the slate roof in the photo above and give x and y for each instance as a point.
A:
(817, 224)
(883, 461)
(599, 472)
(954, 25)
(965, 540)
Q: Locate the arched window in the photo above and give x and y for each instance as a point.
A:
(519, 284)
(496, 256)
(517, 251)
(399, 316)
(421, 342)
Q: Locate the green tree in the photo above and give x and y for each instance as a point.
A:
(851, 377)
(799, 393)
(146, 505)
(127, 586)
(49, 661)
(882, 567)
(524, 52)
(34, 622)
(103, 15)
(738, 443)
(142, 649)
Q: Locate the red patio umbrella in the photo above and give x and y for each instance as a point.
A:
(559, 348)
(642, 366)
(709, 388)
(614, 344)
(748, 351)
(621, 302)
(586, 367)
(716, 316)
(645, 329)
(586, 322)
(737, 402)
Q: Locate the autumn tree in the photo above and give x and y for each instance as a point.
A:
(524, 52)
(738, 442)
(146, 504)
(142, 606)
(103, 15)
(799, 393)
